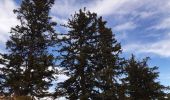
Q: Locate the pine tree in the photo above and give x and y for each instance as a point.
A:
(75, 53)
(89, 54)
(28, 66)
(141, 81)
(108, 63)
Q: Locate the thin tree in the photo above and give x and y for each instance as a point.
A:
(28, 66)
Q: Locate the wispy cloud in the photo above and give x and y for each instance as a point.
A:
(102, 7)
(107, 7)
(163, 24)
(65, 8)
(61, 21)
(7, 18)
(146, 14)
(125, 26)
(160, 48)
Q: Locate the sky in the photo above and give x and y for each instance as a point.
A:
(141, 26)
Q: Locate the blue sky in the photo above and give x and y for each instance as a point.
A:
(141, 26)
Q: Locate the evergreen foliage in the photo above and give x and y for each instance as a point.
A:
(89, 54)
(141, 81)
(28, 66)
(75, 54)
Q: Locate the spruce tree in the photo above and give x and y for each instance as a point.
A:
(75, 53)
(108, 63)
(89, 55)
(141, 81)
(28, 67)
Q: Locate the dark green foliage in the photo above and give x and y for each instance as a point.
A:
(26, 66)
(107, 63)
(141, 81)
(76, 54)
(89, 54)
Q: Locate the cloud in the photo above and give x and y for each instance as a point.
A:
(160, 48)
(7, 19)
(163, 24)
(125, 26)
(61, 21)
(146, 14)
(102, 7)
(121, 36)
(64, 8)
(107, 7)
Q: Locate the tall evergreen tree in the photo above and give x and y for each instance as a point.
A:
(89, 54)
(28, 66)
(76, 49)
(108, 63)
(141, 81)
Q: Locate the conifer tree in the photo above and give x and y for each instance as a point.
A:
(76, 49)
(141, 81)
(89, 54)
(28, 67)
(108, 63)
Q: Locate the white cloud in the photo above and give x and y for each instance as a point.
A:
(102, 7)
(61, 21)
(164, 24)
(62, 78)
(146, 14)
(121, 36)
(7, 19)
(125, 26)
(107, 7)
(65, 7)
(161, 48)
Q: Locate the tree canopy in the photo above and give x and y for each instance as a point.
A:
(28, 65)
